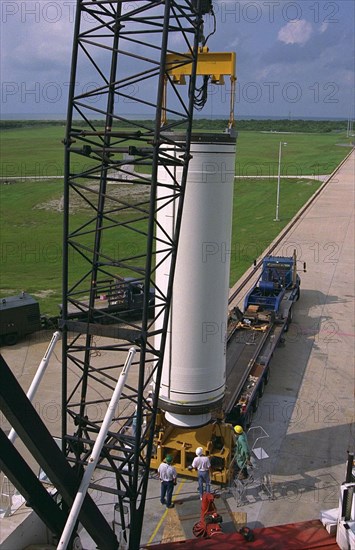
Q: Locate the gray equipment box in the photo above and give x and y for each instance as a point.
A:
(19, 315)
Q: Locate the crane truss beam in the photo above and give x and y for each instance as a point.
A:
(114, 145)
(32, 431)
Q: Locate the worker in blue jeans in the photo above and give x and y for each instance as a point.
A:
(167, 476)
(202, 464)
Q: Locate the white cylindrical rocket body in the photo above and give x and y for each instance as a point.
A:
(193, 377)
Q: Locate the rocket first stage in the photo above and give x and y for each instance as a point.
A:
(193, 377)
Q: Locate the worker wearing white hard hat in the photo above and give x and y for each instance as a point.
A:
(241, 452)
(202, 464)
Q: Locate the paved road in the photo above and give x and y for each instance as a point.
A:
(308, 408)
(322, 177)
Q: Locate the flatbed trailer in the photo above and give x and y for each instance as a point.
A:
(249, 352)
(252, 338)
(243, 350)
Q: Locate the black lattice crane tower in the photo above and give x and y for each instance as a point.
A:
(124, 45)
(128, 52)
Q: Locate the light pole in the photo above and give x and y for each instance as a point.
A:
(277, 219)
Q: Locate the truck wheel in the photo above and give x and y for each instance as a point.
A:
(289, 320)
(248, 418)
(267, 375)
(298, 294)
(255, 404)
(11, 339)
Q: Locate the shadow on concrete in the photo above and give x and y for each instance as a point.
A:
(40, 337)
(286, 480)
(308, 333)
(308, 435)
(314, 447)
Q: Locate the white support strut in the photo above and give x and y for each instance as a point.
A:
(38, 376)
(95, 455)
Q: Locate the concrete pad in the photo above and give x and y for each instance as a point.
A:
(308, 406)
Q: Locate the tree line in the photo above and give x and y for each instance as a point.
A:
(256, 125)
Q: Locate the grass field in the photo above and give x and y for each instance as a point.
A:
(31, 222)
(39, 152)
(304, 154)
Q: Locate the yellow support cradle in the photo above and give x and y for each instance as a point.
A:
(215, 65)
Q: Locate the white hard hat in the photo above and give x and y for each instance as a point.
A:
(199, 451)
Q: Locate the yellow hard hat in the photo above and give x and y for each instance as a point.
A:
(238, 429)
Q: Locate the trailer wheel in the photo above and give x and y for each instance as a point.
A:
(262, 387)
(199, 529)
(289, 320)
(11, 339)
(267, 375)
(256, 400)
(248, 419)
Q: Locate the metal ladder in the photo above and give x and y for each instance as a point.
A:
(10, 498)
(259, 474)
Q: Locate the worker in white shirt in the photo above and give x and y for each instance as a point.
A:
(202, 464)
(167, 476)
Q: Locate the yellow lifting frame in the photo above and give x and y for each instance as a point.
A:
(217, 65)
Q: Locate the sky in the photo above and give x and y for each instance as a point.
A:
(294, 59)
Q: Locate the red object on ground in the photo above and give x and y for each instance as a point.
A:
(308, 535)
(210, 521)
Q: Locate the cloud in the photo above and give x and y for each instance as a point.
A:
(312, 50)
(324, 27)
(42, 49)
(324, 48)
(297, 31)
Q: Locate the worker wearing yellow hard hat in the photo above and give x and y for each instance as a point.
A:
(238, 429)
(241, 453)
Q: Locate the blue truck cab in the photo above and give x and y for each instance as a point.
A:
(278, 281)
